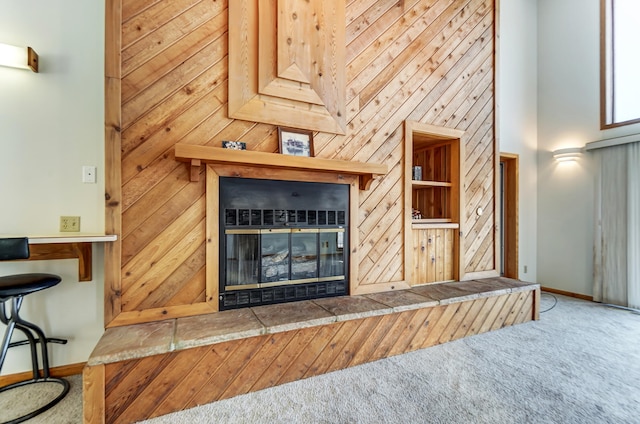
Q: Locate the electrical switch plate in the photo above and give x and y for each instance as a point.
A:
(89, 174)
(69, 224)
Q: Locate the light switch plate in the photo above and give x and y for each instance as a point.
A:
(89, 174)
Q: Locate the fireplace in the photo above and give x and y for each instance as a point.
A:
(282, 241)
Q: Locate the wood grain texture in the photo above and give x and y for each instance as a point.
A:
(112, 155)
(433, 252)
(82, 251)
(143, 388)
(287, 62)
(93, 396)
(168, 82)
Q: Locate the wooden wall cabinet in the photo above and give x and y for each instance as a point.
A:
(433, 199)
(433, 253)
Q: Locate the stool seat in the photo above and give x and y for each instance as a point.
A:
(23, 284)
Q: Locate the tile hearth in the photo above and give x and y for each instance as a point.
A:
(143, 340)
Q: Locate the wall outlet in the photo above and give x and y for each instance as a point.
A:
(69, 224)
(525, 269)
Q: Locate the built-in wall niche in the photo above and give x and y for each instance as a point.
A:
(433, 194)
(433, 202)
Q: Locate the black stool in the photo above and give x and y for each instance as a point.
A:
(13, 288)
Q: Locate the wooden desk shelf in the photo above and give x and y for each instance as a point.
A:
(68, 247)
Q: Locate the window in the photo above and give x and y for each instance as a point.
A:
(620, 62)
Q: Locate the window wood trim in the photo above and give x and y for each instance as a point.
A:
(605, 97)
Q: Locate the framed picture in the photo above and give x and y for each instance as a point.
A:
(295, 142)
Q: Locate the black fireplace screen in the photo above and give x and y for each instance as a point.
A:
(282, 241)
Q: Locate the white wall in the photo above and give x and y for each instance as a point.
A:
(51, 123)
(568, 116)
(517, 117)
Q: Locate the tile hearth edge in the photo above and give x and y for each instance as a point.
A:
(143, 340)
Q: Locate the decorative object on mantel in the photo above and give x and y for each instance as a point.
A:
(295, 142)
(416, 214)
(234, 145)
(196, 155)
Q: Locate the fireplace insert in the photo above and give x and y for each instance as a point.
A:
(282, 241)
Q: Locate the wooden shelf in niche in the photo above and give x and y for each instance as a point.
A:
(418, 184)
(197, 155)
(435, 223)
(435, 196)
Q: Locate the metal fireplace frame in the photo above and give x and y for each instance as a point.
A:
(262, 210)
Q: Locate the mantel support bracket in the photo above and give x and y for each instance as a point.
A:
(194, 173)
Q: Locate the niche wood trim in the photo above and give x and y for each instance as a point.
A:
(432, 243)
(287, 63)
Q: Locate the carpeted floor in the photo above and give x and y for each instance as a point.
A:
(579, 364)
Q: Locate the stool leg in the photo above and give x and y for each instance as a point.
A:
(16, 322)
(7, 333)
(31, 331)
(28, 328)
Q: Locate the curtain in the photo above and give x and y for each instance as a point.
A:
(617, 220)
(633, 238)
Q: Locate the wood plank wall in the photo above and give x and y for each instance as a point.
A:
(166, 83)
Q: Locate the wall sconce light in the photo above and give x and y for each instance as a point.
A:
(18, 57)
(567, 155)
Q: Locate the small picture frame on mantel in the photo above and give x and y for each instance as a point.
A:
(295, 142)
(234, 145)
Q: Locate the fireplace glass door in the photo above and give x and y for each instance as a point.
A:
(331, 254)
(304, 255)
(274, 257)
(243, 263)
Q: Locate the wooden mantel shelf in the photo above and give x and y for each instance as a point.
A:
(197, 155)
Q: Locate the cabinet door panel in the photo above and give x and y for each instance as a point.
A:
(433, 255)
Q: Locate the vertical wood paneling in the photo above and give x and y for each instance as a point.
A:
(93, 387)
(112, 155)
(426, 60)
(433, 255)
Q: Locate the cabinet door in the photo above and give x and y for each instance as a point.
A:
(433, 250)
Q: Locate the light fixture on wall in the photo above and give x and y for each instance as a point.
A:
(567, 155)
(18, 57)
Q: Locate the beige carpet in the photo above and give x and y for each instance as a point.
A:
(23, 400)
(579, 364)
